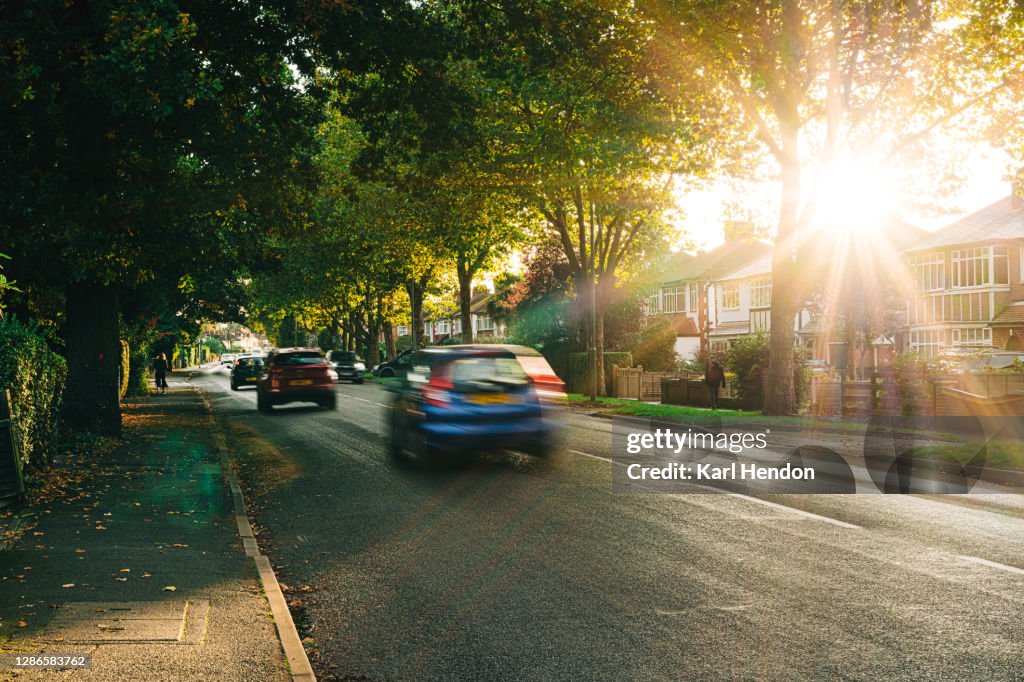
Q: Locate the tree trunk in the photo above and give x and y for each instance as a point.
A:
(599, 344)
(373, 343)
(93, 336)
(416, 293)
(389, 340)
(780, 394)
(465, 298)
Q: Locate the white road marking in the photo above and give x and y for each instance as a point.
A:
(773, 505)
(363, 400)
(992, 564)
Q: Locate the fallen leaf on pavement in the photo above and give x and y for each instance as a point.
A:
(121, 580)
(147, 575)
(22, 624)
(170, 588)
(126, 570)
(68, 585)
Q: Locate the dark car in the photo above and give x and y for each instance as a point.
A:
(462, 399)
(295, 375)
(396, 367)
(347, 365)
(246, 372)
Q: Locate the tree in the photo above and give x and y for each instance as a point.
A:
(820, 80)
(140, 141)
(585, 136)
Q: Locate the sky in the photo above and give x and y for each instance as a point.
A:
(703, 211)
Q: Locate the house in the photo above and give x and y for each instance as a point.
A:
(682, 296)
(969, 282)
(740, 301)
(448, 322)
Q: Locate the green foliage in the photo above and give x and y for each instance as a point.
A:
(748, 358)
(35, 375)
(5, 285)
(125, 375)
(578, 376)
(654, 350)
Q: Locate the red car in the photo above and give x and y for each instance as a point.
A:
(295, 375)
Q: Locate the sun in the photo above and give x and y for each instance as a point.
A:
(853, 196)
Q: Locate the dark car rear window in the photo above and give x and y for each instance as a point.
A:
(343, 356)
(297, 359)
(486, 368)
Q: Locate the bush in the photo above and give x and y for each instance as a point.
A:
(655, 348)
(577, 379)
(403, 343)
(747, 358)
(35, 376)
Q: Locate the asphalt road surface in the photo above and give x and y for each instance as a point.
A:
(512, 567)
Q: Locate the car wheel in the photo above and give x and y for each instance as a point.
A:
(331, 403)
(234, 386)
(262, 404)
(387, 372)
(357, 381)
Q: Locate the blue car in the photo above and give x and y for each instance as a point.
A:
(466, 399)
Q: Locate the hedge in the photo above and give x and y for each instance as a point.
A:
(35, 376)
(577, 379)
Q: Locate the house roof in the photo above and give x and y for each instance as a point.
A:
(1012, 314)
(1000, 220)
(716, 262)
(731, 329)
(684, 325)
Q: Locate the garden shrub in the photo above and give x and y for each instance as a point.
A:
(35, 376)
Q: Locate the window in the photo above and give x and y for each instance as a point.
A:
(929, 271)
(1020, 264)
(441, 327)
(673, 299)
(403, 330)
(695, 293)
(761, 293)
(928, 343)
(980, 266)
(730, 296)
(653, 303)
(760, 320)
(484, 323)
(972, 336)
(973, 307)
(426, 328)
(457, 325)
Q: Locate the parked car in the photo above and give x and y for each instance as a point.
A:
(396, 367)
(460, 399)
(246, 372)
(295, 375)
(228, 359)
(347, 365)
(817, 367)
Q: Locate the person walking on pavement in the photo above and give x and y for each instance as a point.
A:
(714, 378)
(160, 367)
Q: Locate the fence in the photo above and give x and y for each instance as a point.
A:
(894, 394)
(636, 384)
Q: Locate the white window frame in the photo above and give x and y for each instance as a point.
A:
(978, 337)
(481, 320)
(402, 330)
(442, 326)
(760, 320)
(654, 303)
(426, 329)
(929, 270)
(975, 266)
(671, 298)
(928, 342)
(693, 297)
(730, 291)
(761, 292)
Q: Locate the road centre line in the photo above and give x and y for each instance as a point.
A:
(773, 505)
(992, 564)
(347, 395)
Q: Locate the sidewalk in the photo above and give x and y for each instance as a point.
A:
(139, 562)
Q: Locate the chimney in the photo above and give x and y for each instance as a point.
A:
(1017, 189)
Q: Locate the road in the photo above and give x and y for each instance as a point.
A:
(513, 567)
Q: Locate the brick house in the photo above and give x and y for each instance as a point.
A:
(969, 283)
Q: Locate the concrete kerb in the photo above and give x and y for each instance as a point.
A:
(298, 662)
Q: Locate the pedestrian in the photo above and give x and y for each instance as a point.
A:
(160, 367)
(714, 379)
